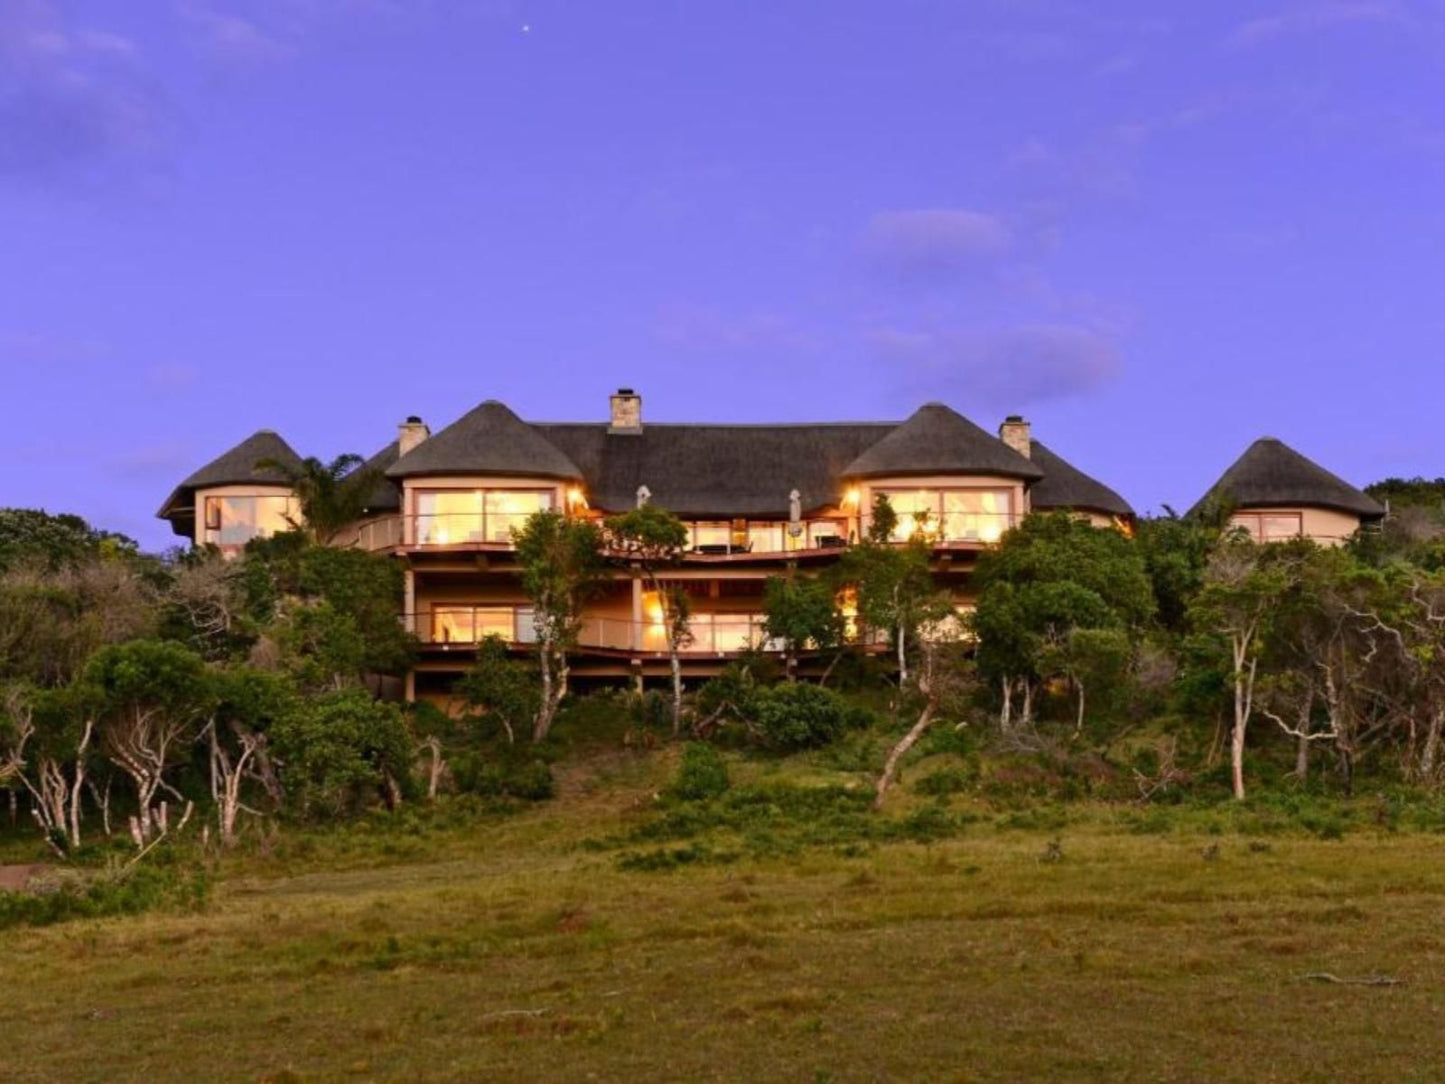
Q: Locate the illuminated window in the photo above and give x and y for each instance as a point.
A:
(452, 624)
(951, 515)
(450, 517)
(975, 515)
(767, 537)
(712, 536)
(732, 632)
(234, 521)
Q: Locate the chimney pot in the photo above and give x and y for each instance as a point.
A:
(1015, 433)
(626, 412)
(410, 433)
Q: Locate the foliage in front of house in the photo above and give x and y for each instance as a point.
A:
(148, 700)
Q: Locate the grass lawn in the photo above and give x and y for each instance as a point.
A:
(505, 950)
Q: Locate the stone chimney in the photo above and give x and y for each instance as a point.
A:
(1015, 433)
(626, 412)
(410, 433)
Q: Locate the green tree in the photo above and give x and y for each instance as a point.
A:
(152, 697)
(1050, 578)
(652, 539)
(801, 612)
(332, 496)
(563, 565)
(333, 612)
(46, 749)
(30, 537)
(505, 690)
(344, 748)
(893, 585)
(51, 621)
(1176, 552)
(248, 705)
(1243, 586)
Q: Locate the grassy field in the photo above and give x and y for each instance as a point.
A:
(510, 947)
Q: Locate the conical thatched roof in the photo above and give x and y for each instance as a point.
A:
(721, 471)
(235, 467)
(1065, 486)
(1271, 474)
(489, 439)
(939, 440)
(386, 494)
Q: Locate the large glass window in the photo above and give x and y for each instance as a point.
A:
(767, 537)
(1270, 526)
(712, 537)
(461, 624)
(234, 521)
(975, 514)
(450, 517)
(951, 515)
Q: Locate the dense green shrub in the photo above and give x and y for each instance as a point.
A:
(147, 887)
(702, 775)
(343, 750)
(491, 775)
(943, 782)
(802, 716)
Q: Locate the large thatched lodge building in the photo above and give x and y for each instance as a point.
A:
(757, 499)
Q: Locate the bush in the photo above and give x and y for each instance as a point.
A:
(703, 774)
(652, 711)
(945, 782)
(116, 892)
(342, 751)
(528, 778)
(802, 716)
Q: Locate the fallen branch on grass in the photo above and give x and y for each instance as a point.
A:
(515, 1012)
(1369, 980)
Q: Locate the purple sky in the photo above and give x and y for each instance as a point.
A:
(1159, 230)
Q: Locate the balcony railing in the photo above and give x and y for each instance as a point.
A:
(711, 634)
(953, 528)
(442, 529)
(445, 529)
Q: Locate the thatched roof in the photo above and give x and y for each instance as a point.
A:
(489, 439)
(235, 467)
(716, 470)
(1065, 486)
(697, 471)
(1271, 474)
(386, 495)
(939, 440)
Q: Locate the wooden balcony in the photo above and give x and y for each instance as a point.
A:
(460, 627)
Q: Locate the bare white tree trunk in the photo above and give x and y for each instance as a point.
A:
(676, 664)
(227, 775)
(1431, 751)
(436, 769)
(1245, 670)
(1005, 715)
(890, 766)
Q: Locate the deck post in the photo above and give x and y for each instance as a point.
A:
(636, 610)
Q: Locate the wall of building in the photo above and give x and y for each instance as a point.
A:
(1327, 526)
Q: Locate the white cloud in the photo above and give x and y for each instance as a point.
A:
(934, 242)
(1005, 367)
(1314, 17)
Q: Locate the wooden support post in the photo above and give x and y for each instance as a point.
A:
(636, 611)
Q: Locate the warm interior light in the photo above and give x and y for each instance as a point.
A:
(652, 606)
